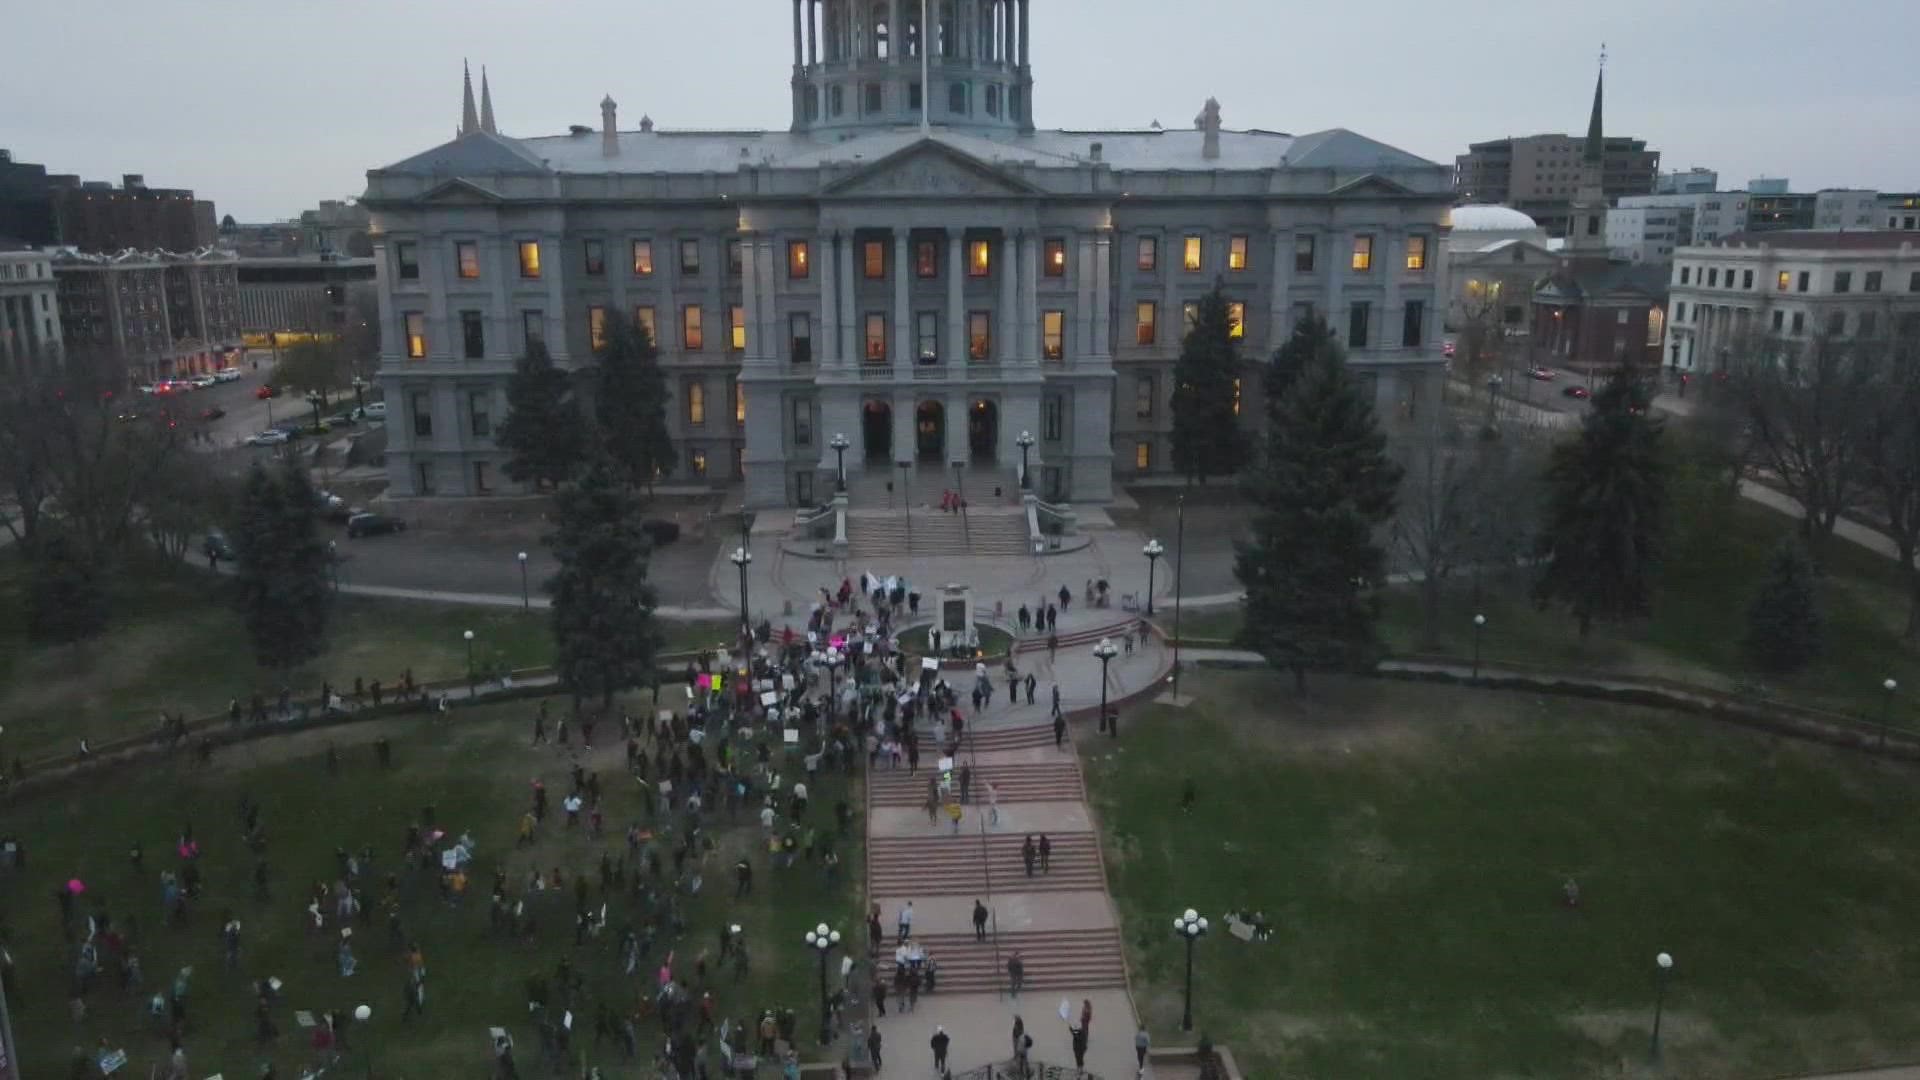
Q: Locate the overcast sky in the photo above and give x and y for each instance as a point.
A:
(268, 106)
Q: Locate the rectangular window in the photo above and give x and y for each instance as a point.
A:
(1806, 279)
(1146, 314)
(643, 319)
(1680, 311)
(1842, 281)
(1413, 327)
(802, 422)
(836, 99)
(926, 259)
(1837, 323)
(1746, 279)
(979, 335)
(1052, 418)
(739, 403)
(533, 328)
(979, 258)
(737, 327)
(480, 478)
(424, 471)
(1053, 334)
(696, 464)
(1872, 282)
(1785, 281)
(926, 332)
(800, 331)
(696, 403)
(735, 263)
(1713, 277)
(1303, 253)
(1416, 252)
(473, 335)
(689, 258)
(1148, 255)
(420, 403)
(1362, 254)
(416, 335)
(480, 413)
(1869, 321)
(596, 327)
(1142, 456)
(466, 254)
(873, 260)
(593, 257)
(1358, 318)
(1143, 397)
(1779, 320)
(529, 258)
(876, 337)
(1189, 314)
(1054, 262)
(406, 260)
(1913, 282)
(1799, 322)
(643, 258)
(1686, 275)
(1236, 319)
(798, 261)
(873, 99)
(1237, 253)
(1190, 254)
(692, 335)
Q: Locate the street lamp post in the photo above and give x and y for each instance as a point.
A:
(1152, 551)
(333, 562)
(526, 601)
(1664, 964)
(839, 443)
(314, 399)
(360, 395)
(1179, 560)
(1192, 926)
(822, 940)
(1886, 711)
(468, 635)
(1106, 651)
(1025, 443)
(1479, 624)
(361, 1015)
(743, 558)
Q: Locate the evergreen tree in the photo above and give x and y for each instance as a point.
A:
(602, 604)
(1311, 338)
(282, 568)
(1207, 437)
(1606, 507)
(66, 600)
(542, 429)
(1320, 492)
(631, 403)
(1783, 625)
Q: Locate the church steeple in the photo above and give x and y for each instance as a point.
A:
(1587, 220)
(469, 117)
(486, 104)
(1596, 132)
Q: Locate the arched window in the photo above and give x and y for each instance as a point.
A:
(880, 43)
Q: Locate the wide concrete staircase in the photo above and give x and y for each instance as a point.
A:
(1052, 960)
(1054, 781)
(879, 534)
(984, 742)
(944, 863)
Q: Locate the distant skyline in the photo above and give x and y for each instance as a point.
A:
(268, 108)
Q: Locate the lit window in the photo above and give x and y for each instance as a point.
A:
(597, 327)
(797, 264)
(696, 403)
(1191, 258)
(643, 258)
(1362, 254)
(1475, 288)
(1416, 253)
(416, 326)
(406, 260)
(734, 261)
(1149, 254)
(926, 329)
(1237, 253)
(1236, 319)
(737, 327)
(979, 335)
(643, 318)
(1056, 258)
(876, 337)
(1656, 325)
(739, 403)
(1145, 315)
(874, 259)
(1303, 253)
(529, 258)
(689, 257)
(697, 464)
(979, 258)
(468, 254)
(1142, 456)
(926, 259)
(691, 336)
(1053, 334)
(594, 254)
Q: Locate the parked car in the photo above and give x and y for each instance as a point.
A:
(216, 547)
(203, 381)
(373, 525)
(271, 437)
(1577, 392)
(227, 374)
(661, 531)
(376, 410)
(1541, 373)
(266, 391)
(347, 418)
(214, 413)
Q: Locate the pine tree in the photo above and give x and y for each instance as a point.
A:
(542, 429)
(1207, 437)
(631, 404)
(282, 568)
(602, 604)
(1321, 491)
(1311, 338)
(1606, 506)
(1783, 625)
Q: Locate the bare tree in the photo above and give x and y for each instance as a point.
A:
(1891, 476)
(1809, 411)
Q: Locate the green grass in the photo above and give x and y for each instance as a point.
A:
(177, 643)
(475, 771)
(1409, 844)
(993, 640)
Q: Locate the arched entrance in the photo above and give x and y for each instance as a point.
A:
(876, 431)
(930, 431)
(983, 429)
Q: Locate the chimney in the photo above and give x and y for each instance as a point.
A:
(609, 131)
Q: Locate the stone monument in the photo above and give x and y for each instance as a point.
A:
(955, 620)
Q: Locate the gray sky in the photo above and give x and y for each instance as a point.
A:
(267, 106)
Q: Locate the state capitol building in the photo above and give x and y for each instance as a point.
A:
(911, 263)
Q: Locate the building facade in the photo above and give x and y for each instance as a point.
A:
(1495, 257)
(1793, 286)
(1900, 209)
(29, 314)
(1648, 234)
(165, 315)
(1691, 182)
(1540, 174)
(912, 264)
(300, 297)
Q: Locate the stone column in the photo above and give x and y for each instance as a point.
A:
(1024, 4)
(1279, 301)
(551, 263)
(1030, 286)
(392, 346)
(1170, 316)
(772, 274)
(798, 57)
(958, 448)
(1006, 343)
(904, 446)
(852, 348)
(750, 299)
(956, 347)
(1394, 240)
(813, 34)
(1103, 294)
(826, 349)
(1339, 247)
(902, 350)
(1083, 282)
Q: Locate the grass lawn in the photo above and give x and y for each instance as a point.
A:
(475, 772)
(177, 643)
(1409, 844)
(994, 642)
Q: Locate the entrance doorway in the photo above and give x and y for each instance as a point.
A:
(930, 431)
(983, 429)
(876, 431)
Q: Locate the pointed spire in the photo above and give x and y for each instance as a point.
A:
(486, 104)
(469, 118)
(1596, 133)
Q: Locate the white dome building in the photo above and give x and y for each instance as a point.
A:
(1478, 226)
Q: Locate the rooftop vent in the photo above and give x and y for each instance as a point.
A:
(579, 129)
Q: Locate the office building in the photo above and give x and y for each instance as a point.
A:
(161, 313)
(29, 316)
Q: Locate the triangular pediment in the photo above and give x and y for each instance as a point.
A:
(457, 192)
(929, 168)
(1369, 185)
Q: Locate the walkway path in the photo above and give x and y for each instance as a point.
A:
(1061, 920)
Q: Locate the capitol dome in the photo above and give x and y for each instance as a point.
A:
(1488, 217)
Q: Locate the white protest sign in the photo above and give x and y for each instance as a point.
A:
(928, 663)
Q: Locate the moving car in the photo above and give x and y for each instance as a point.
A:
(267, 438)
(227, 374)
(1541, 373)
(1577, 392)
(376, 410)
(373, 525)
(266, 391)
